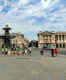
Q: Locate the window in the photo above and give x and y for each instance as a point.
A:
(60, 38)
(63, 45)
(60, 45)
(63, 37)
(56, 45)
(56, 37)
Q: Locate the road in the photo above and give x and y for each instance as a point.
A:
(33, 68)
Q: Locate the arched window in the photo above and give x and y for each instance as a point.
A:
(56, 45)
(60, 45)
(60, 38)
(63, 45)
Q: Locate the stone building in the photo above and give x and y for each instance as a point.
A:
(54, 39)
(8, 39)
(19, 40)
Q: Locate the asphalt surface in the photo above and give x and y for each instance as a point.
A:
(32, 68)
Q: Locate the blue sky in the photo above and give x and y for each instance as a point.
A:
(31, 16)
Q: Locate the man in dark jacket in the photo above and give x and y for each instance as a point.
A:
(52, 52)
(41, 52)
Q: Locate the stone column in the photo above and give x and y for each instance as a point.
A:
(65, 38)
(61, 38)
(61, 45)
(65, 45)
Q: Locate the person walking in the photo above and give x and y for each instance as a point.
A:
(26, 51)
(14, 50)
(29, 51)
(3, 51)
(52, 52)
(23, 51)
(18, 51)
(6, 51)
(41, 52)
(9, 52)
(56, 52)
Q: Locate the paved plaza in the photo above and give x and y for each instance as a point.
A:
(32, 68)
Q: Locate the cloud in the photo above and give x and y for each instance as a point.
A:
(30, 16)
(23, 2)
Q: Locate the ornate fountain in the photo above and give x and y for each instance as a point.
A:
(6, 37)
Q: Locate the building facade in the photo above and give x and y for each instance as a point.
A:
(20, 41)
(54, 39)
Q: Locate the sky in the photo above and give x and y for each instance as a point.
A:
(31, 16)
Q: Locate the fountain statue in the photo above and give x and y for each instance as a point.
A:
(6, 37)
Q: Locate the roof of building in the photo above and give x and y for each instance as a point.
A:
(51, 32)
(60, 32)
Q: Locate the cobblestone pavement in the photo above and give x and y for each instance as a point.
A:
(33, 68)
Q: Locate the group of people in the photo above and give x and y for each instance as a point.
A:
(54, 52)
(16, 51)
(27, 51)
(24, 51)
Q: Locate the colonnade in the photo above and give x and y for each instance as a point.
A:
(61, 38)
(61, 41)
